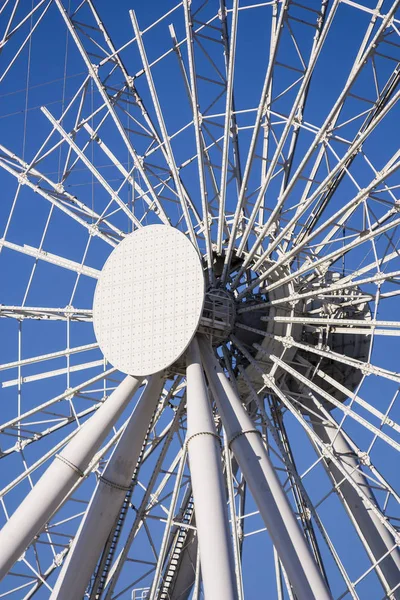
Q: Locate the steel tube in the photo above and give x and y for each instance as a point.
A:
(107, 499)
(215, 541)
(375, 536)
(267, 491)
(65, 470)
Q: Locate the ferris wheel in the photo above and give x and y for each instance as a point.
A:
(200, 266)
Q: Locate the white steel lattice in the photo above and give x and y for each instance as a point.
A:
(200, 269)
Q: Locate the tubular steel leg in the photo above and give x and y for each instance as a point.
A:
(210, 505)
(376, 538)
(264, 484)
(66, 469)
(107, 498)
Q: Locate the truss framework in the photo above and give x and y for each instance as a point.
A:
(218, 118)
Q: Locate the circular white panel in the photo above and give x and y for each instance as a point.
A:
(148, 300)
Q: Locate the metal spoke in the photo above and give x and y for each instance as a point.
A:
(200, 277)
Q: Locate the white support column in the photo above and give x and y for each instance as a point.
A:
(210, 504)
(66, 469)
(107, 498)
(377, 540)
(266, 489)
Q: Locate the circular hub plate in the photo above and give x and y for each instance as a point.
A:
(148, 300)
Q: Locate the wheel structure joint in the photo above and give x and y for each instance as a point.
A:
(112, 484)
(214, 435)
(240, 433)
(71, 465)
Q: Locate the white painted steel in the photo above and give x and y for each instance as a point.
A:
(107, 498)
(66, 469)
(215, 541)
(375, 536)
(264, 484)
(269, 191)
(148, 300)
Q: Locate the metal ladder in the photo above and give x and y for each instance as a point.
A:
(176, 551)
(113, 539)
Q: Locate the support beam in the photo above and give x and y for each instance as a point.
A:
(198, 130)
(107, 498)
(377, 540)
(215, 542)
(267, 490)
(150, 499)
(66, 469)
(166, 139)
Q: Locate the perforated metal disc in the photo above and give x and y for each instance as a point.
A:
(148, 300)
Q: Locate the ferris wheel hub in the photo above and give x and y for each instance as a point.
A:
(219, 314)
(148, 300)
